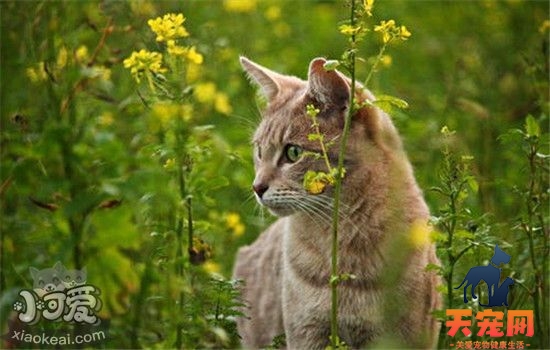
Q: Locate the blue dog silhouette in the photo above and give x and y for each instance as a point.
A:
(490, 274)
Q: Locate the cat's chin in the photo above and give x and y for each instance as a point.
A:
(280, 211)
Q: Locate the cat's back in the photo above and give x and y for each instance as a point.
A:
(259, 265)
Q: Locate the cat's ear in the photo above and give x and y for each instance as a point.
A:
(265, 78)
(327, 87)
(34, 272)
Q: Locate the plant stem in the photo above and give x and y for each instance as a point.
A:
(375, 64)
(337, 190)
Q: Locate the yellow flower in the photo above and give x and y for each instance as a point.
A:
(315, 182)
(106, 119)
(193, 56)
(386, 60)
(391, 31)
(205, 92)
(189, 53)
(211, 267)
(62, 58)
(175, 50)
(315, 186)
(81, 54)
(240, 5)
(193, 72)
(168, 27)
(386, 28)
(221, 103)
(233, 222)
(404, 33)
(100, 72)
(273, 13)
(545, 26)
(368, 5)
(170, 164)
(420, 233)
(347, 29)
(37, 73)
(142, 61)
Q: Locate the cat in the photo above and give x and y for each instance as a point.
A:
(500, 297)
(286, 271)
(48, 280)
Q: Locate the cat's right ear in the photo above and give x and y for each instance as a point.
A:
(34, 272)
(266, 79)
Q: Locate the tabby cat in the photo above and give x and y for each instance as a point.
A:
(382, 234)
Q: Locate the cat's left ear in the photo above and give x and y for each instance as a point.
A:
(327, 87)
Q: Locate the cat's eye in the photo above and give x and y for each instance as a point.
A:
(293, 153)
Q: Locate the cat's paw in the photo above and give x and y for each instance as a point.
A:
(40, 305)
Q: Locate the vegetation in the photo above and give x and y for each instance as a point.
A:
(124, 144)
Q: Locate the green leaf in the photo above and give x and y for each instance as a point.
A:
(474, 186)
(532, 127)
(386, 101)
(331, 65)
(314, 137)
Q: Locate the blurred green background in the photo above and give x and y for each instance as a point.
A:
(91, 160)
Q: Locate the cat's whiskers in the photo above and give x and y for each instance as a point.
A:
(327, 203)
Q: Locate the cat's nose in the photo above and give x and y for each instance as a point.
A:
(260, 188)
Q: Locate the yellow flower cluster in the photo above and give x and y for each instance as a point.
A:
(315, 182)
(189, 53)
(208, 93)
(65, 60)
(37, 73)
(368, 5)
(168, 27)
(143, 61)
(233, 222)
(392, 31)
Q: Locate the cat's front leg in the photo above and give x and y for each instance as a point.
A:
(306, 311)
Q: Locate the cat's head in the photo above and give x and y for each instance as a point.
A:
(283, 149)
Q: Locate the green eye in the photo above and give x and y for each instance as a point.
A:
(293, 153)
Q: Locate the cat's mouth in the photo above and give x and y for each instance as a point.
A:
(277, 208)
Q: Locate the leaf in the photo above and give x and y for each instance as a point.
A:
(472, 183)
(331, 65)
(532, 127)
(385, 102)
(314, 137)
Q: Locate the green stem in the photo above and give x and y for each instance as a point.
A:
(337, 190)
(375, 64)
(322, 144)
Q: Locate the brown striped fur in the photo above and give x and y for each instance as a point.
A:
(287, 270)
